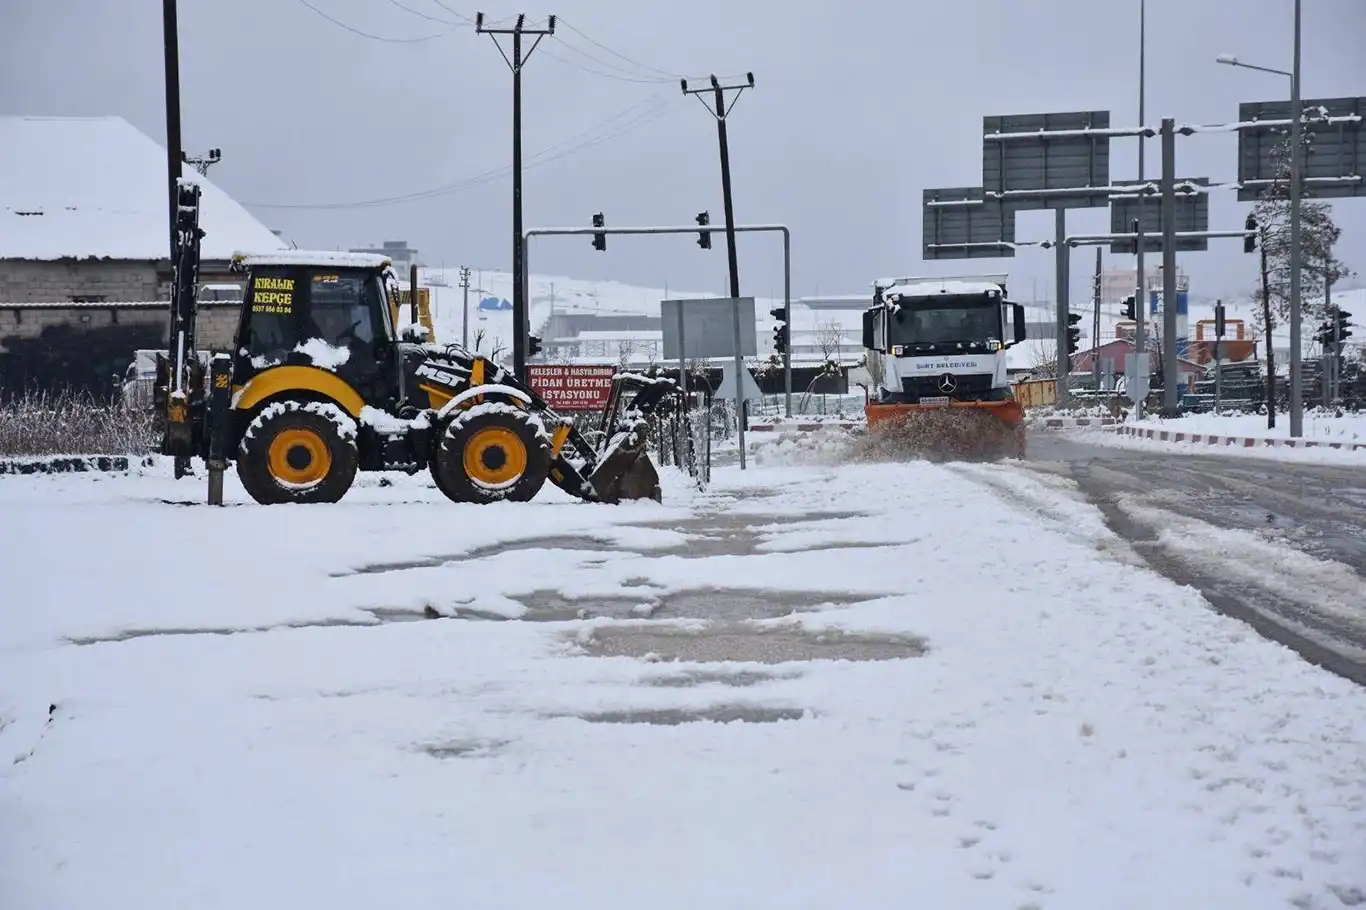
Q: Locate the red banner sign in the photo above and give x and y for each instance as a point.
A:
(570, 387)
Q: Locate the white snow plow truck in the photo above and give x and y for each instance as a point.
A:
(936, 353)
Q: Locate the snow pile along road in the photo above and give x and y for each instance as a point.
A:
(1025, 718)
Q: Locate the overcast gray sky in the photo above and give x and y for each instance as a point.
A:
(859, 106)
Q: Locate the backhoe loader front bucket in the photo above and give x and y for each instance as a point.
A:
(621, 468)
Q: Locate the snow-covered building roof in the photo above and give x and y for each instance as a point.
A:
(324, 258)
(95, 188)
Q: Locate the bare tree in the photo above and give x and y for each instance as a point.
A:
(829, 338)
(1043, 358)
(625, 348)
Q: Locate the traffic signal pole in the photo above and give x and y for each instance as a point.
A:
(1063, 265)
(1170, 370)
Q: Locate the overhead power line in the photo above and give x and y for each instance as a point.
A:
(637, 72)
(364, 34)
(666, 74)
(624, 121)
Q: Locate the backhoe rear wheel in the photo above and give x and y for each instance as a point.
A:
(495, 452)
(302, 452)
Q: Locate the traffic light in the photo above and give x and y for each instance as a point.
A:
(1219, 323)
(533, 346)
(1334, 331)
(781, 331)
(704, 237)
(1343, 331)
(1073, 333)
(1131, 307)
(599, 240)
(1250, 241)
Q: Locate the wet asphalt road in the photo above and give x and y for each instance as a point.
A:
(1170, 507)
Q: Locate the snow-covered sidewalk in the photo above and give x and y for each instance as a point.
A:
(1028, 718)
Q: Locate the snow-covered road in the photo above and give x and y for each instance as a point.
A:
(1280, 543)
(1026, 717)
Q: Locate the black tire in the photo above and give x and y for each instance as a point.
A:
(492, 453)
(302, 452)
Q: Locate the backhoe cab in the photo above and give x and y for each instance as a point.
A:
(320, 385)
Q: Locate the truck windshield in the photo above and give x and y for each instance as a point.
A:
(946, 325)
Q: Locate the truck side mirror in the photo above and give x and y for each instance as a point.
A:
(1017, 316)
(868, 317)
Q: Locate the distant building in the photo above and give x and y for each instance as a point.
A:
(85, 270)
(402, 255)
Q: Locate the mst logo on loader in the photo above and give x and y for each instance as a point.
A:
(436, 374)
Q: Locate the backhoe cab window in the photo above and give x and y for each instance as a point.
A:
(272, 305)
(289, 305)
(344, 309)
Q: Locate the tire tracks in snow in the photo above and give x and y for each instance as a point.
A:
(1301, 601)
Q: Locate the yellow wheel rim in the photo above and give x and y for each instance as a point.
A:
(299, 458)
(495, 457)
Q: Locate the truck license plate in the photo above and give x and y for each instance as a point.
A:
(936, 399)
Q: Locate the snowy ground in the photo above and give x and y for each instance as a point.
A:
(1029, 718)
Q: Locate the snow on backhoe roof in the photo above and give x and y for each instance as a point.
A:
(928, 287)
(333, 258)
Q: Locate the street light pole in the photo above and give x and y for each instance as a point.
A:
(1141, 308)
(1296, 166)
(1296, 179)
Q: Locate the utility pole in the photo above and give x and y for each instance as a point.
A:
(201, 162)
(515, 63)
(171, 48)
(721, 113)
(465, 320)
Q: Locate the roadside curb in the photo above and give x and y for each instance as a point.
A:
(1245, 442)
(108, 464)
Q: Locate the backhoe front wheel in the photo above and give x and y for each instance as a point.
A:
(302, 452)
(491, 453)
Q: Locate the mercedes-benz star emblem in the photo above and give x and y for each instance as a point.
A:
(947, 383)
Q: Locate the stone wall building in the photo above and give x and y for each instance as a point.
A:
(85, 271)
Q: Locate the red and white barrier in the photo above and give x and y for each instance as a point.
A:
(1061, 423)
(1244, 442)
(814, 427)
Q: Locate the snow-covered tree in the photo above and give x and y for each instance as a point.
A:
(1319, 234)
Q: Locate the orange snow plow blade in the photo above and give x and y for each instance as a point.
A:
(969, 430)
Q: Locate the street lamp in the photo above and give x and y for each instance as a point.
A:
(1296, 153)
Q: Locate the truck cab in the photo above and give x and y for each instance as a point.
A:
(933, 341)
